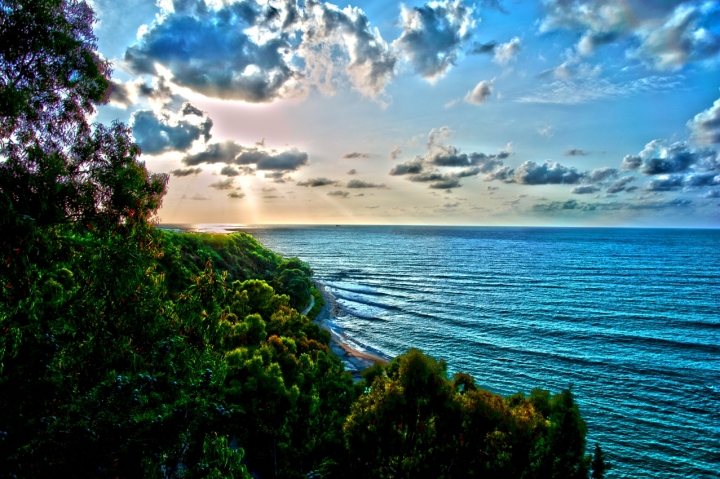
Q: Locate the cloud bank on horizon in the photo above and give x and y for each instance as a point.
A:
(522, 108)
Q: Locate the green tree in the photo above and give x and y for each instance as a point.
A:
(599, 465)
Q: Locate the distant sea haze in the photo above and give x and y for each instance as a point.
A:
(630, 318)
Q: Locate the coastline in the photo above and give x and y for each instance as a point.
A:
(355, 360)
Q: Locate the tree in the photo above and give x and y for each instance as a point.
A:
(97, 374)
(599, 466)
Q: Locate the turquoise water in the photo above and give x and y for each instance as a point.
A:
(628, 317)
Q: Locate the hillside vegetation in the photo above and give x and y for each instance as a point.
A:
(129, 352)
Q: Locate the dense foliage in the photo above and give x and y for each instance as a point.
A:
(128, 352)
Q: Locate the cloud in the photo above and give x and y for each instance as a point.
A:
(352, 172)
(546, 131)
(356, 154)
(575, 205)
(506, 52)
(705, 125)
(315, 182)
(236, 195)
(575, 152)
(363, 184)
(226, 184)
(211, 52)
(531, 173)
(232, 153)
(368, 61)
(185, 172)
(587, 90)
(121, 95)
(668, 34)
(690, 34)
(199, 197)
(678, 181)
(712, 194)
(620, 185)
(433, 36)
(278, 177)
(424, 169)
(190, 109)
(658, 157)
(584, 190)
(483, 48)
(409, 167)
(229, 171)
(160, 134)
(339, 194)
(395, 152)
(600, 174)
(481, 92)
(261, 51)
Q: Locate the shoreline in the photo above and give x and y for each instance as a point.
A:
(355, 361)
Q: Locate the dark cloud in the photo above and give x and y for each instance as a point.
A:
(575, 152)
(223, 152)
(156, 135)
(363, 184)
(661, 158)
(352, 172)
(229, 171)
(236, 195)
(395, 152)
(356, 154)
(706, 125)
(678, 181)
(199, 197)
(631, 162)
(278, 177)
(315, 182)
(493, 4)
(226, 184)
(232, 153)
(437, 180)
(433, 36)
(575, 205)
(339, 194)
(483, 48)
(185, 172)
(702, 179)
(481, 92)
(599, 175)
(120, 95)
(584, 190)
(408, 168)
(445, 184)
(712, 194)
(620, 185)
(190, 109)
(531, 173)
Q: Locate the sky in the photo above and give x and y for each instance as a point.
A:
(493, 112)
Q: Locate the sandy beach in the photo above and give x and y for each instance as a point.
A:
(355, 361)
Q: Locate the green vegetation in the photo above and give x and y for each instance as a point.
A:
(128, 352)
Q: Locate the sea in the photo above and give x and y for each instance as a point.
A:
(629, 319)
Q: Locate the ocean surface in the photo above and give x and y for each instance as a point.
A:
(629, 317)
